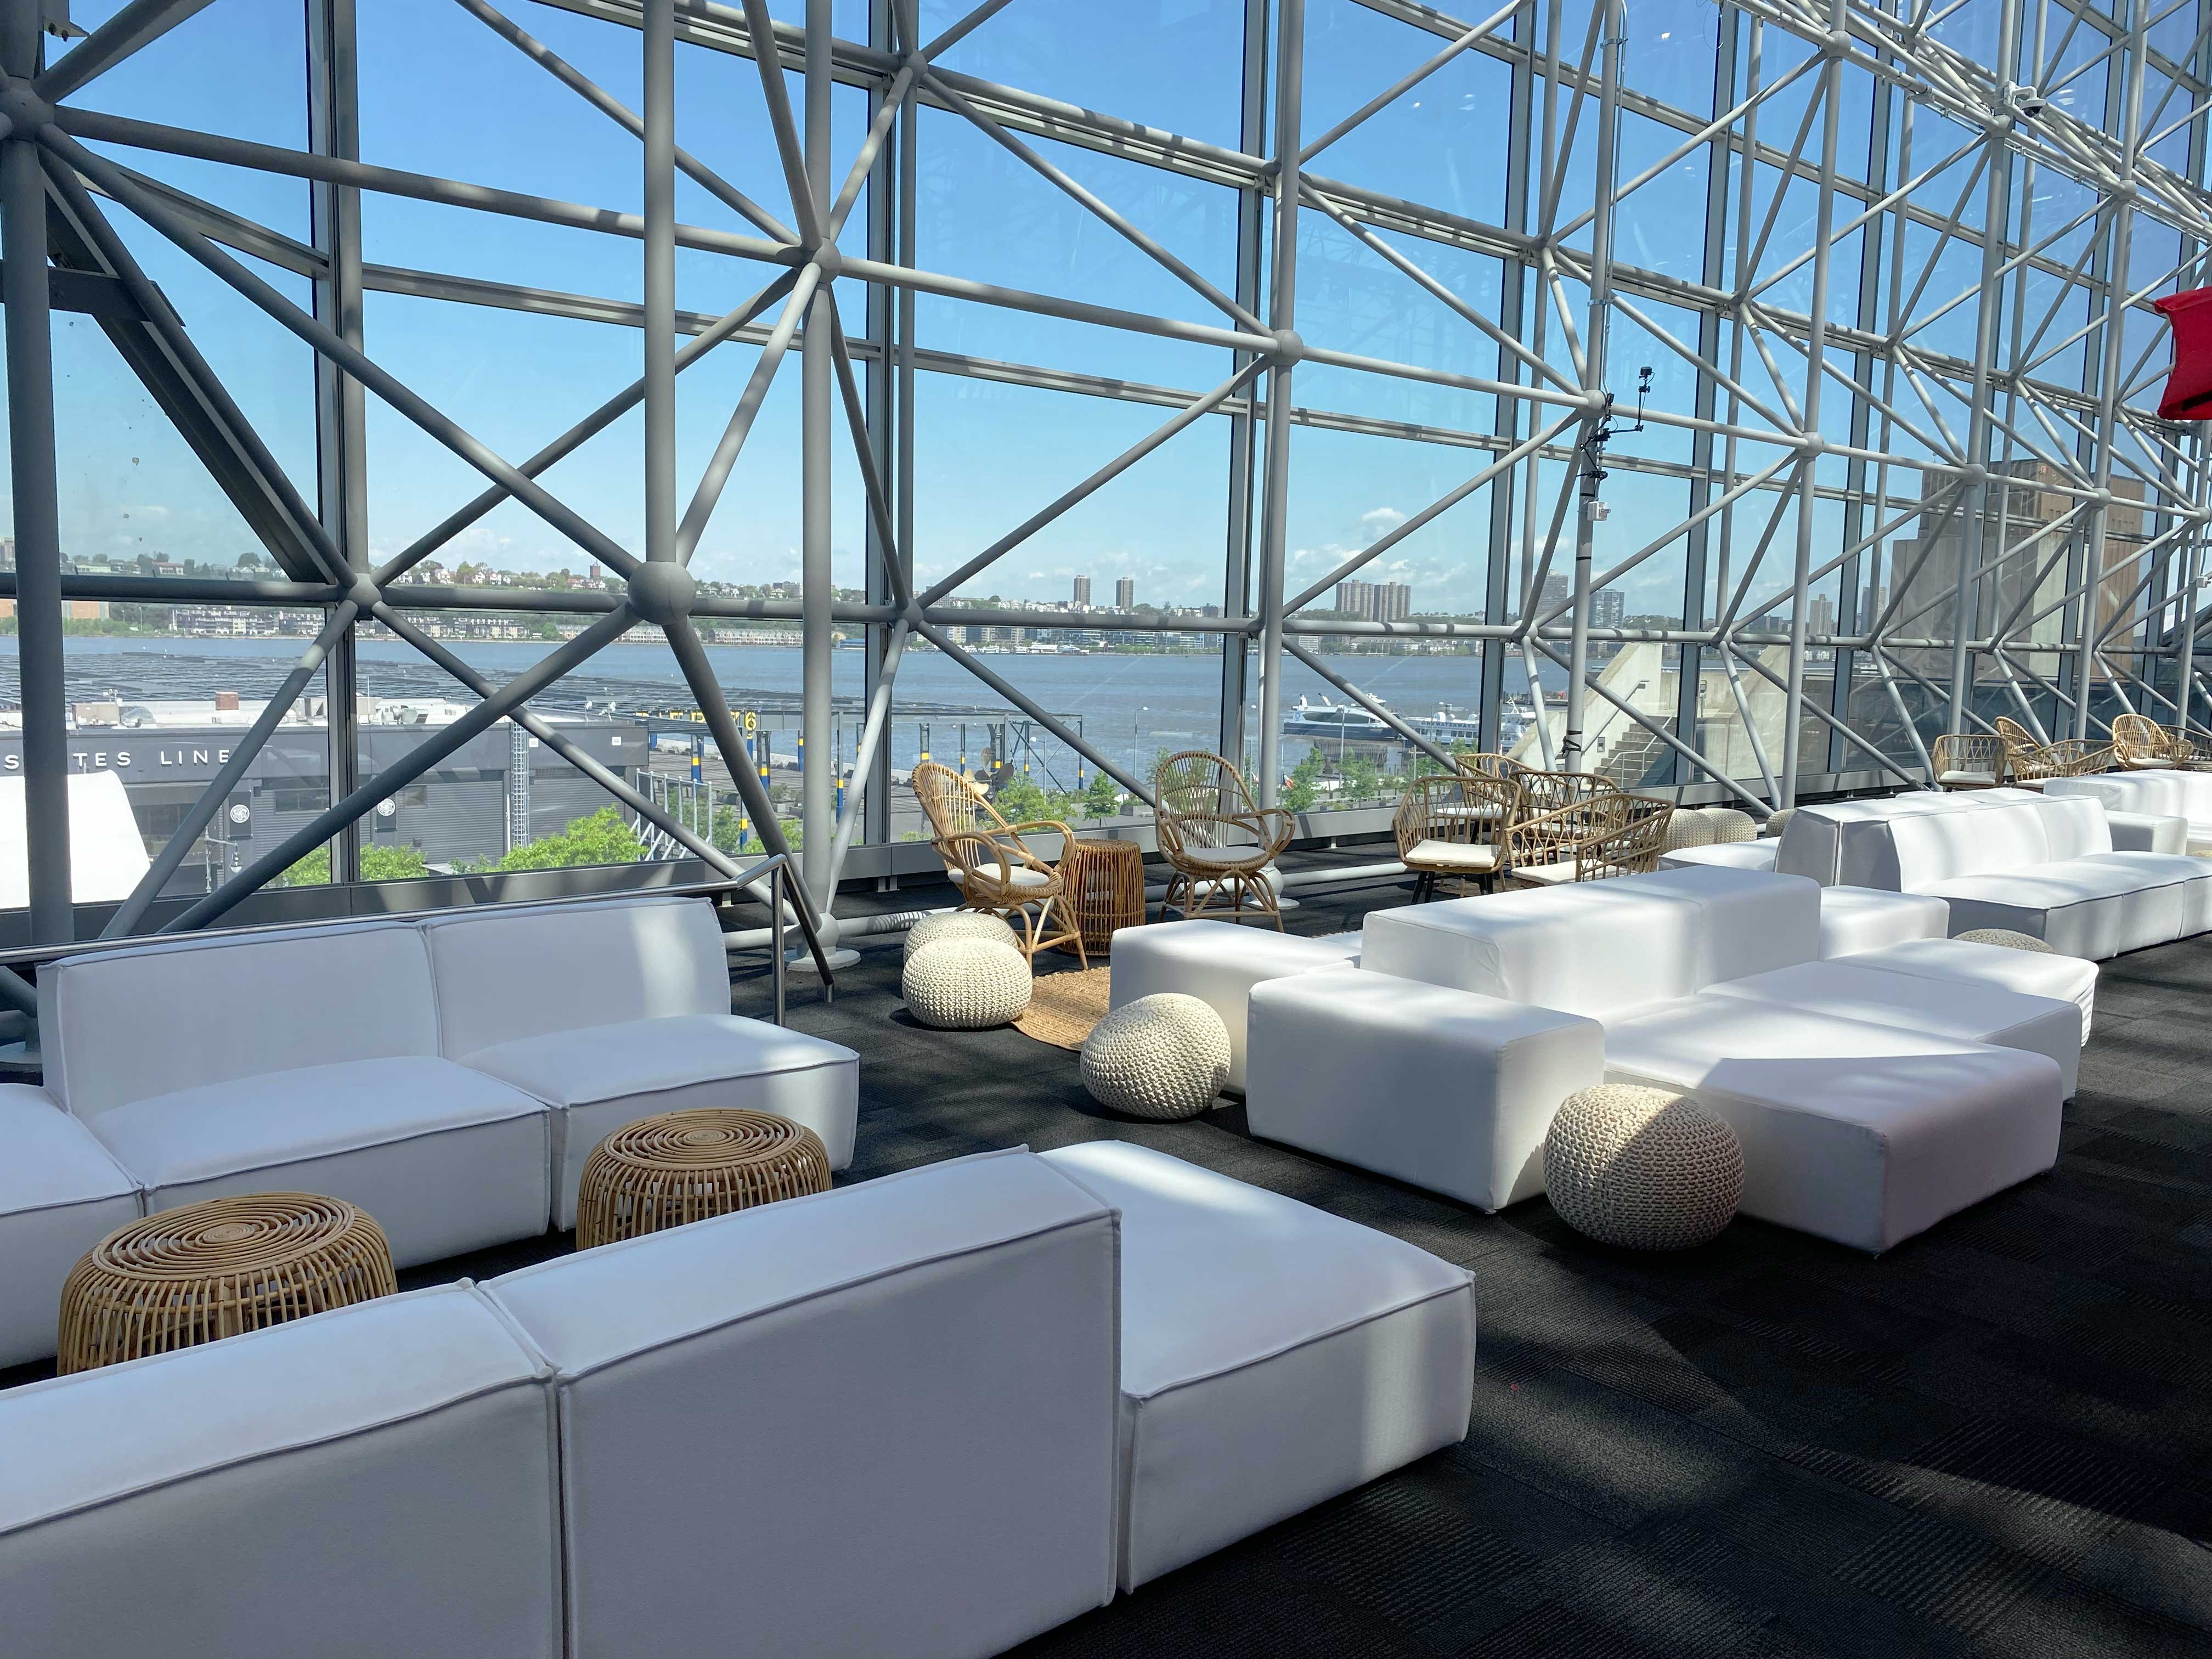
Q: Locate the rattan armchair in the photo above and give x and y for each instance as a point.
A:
(2029, 762)
(995, 870)
(1969, 759)
(2141, 743)
(1217, 839)
(1598, 832)
(1452, 828)
(2193, 751)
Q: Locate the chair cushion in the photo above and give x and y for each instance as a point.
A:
(1272, 1355)
(1222, 858)
(377, 1480)
(60, 1195)
(443, 1158)
(1561, 875)
(1475, 857)
(603, 1077)
(1017, 876)
(506, 974)
(1956, 776)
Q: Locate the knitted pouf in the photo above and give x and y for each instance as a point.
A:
(1645, 1168)
(1687, 830)
(966, 984)
(1163, 1057)
(2010, 940)
(959, 924)
(1777, 821)
(1730, 825)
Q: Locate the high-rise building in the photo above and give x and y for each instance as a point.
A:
(1608, 606)
(1374, 601)
(1082, 592)
(1125, 594)
(1819, 614)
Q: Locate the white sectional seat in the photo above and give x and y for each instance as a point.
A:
(301, 1060)
(2159, 793)
(1272, 1355)
(2147, 832)
(2033, 973)
(1219, 963)
(379, 1479)
(619, 1010)
(2042, 864)
(877, 1420)
(1728, 855)
(60, 1195)
(1865, 1134)
(1453, 1090)
(1854, 918)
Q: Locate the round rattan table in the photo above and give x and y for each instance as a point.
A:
(1105, 889)
(660, 1172)
(214, 1269)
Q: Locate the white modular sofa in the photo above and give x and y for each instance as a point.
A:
(2157, 793)
(1219, 963)
(2033, 862)
(449, 1075)
(932, 1414)
(1873, 1093)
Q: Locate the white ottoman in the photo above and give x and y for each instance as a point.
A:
(60, 1195)
(1219, 963)
(965, 984)
(2037, 973)
(1854, 918)
(1446, 1088)
(959, 924)
(1272, 1355)
(1731, 855)
(1163, 1057)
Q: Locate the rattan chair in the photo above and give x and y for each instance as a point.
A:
(1451, 828)
(1598, 833)
(2029, 762)
(995, 870)
(1217, 838)
(2193, 751)
(1969, 759)
(2140, 742)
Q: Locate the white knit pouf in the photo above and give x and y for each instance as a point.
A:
(1687, 830)
(1162, 1056)
(1645, 1168)
(1777, 821)
(959, 924)
(2010, 940)
(1730, 825)
(966, 984)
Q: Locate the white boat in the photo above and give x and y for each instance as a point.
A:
(1334, 720)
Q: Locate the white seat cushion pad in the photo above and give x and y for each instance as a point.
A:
(1854, 918)
(2035, 972)
(60, 1195)
(1272, 1355)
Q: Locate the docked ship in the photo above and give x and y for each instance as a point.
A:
(1350, 723)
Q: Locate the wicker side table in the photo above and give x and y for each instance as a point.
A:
(660, 1172)
(214, 1269)
(1105, 889)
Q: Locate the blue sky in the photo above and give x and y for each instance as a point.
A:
(443, 94)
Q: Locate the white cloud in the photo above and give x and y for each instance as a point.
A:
(1379, 519)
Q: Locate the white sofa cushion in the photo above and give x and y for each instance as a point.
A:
(1850, 842)
(1731, 854)
(2158, 794)
(1970, 1012)
(445, 1159)
(1272, 1355)
(376, 1481)
(1865, 1134)
(602, 1077)
(60, 1195)
(1449, 1090)
(2036, 972)
(209, 1011)
(503, 975)
(2146, 832)
(2092, 906)
(1931, 847)
(1219, 963)
(1854, 918)
(879, 1421)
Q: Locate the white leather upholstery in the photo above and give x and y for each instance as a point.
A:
(372, 1481)
(444, 1158)
(2095, 908)
(1861, 1133)
(209, 1011)
(504, 975)
(1219, 963)
(1970, 1012)
(1850, 842)
(2160, 793)
(60, 1195)
(1272, 1355)
(601, 1077)
(1446, 1088)
(1731, 855)
(1855, 919)
(1602, 949)
(880, 1420)
(2068, 978)
(2145, 832)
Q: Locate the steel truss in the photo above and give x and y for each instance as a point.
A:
(2077, 517)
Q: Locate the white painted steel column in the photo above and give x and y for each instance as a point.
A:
(1274, 507)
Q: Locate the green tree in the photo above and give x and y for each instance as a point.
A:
(1021, 800)
(602, 837)
(1305, 782)
(1102, 797)
(1363, 778)
(377, 863)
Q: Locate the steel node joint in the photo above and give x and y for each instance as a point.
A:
(661, 591)
(1289, 347)
(826, 259)
(26, 113)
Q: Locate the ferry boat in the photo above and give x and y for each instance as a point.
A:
(1352, 723)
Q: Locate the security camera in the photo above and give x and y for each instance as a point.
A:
(2026, 102)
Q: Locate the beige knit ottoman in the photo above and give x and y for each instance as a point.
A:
(1644, 1168)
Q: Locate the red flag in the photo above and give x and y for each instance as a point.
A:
(2188, 394)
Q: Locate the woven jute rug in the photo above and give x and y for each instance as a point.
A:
(1063, 1007)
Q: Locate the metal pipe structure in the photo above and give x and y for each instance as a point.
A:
(2079, 517)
